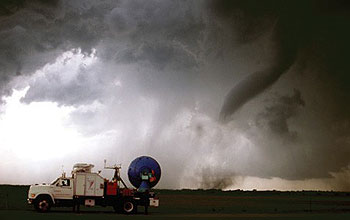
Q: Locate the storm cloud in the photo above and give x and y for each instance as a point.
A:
(163, 76)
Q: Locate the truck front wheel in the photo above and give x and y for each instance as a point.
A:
(43, 204)
(129, 207)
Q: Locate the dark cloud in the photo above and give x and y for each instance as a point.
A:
(297, 26)
(276, 116)
(38, 31)
(158, 73)
(304, 33)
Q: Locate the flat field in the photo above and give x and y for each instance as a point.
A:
(198, 204)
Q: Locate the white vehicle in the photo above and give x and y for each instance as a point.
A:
(88, 188)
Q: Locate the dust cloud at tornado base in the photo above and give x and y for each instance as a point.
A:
(159, 75)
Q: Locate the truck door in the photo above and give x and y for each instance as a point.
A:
(80, 185)
(63, 189)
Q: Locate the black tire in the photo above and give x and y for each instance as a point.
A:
(43, 203)
(129, 207)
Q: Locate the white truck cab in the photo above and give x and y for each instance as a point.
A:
(43, 196)
(62, 188)
(82, 183)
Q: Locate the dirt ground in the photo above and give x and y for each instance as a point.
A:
(198, 204)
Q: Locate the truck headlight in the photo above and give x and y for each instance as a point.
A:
(32, 195)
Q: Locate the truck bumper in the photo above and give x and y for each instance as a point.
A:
(30, 201)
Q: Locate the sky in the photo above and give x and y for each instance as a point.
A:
(223, 94)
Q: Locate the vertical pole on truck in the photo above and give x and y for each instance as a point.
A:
(116, 169)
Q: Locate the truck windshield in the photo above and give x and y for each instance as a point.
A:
(54, 182)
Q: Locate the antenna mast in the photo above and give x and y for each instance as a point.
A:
(116, 169)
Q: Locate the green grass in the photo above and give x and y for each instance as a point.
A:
(198, 204)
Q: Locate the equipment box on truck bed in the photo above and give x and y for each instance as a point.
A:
(88, 184)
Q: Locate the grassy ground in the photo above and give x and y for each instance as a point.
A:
(198, 204)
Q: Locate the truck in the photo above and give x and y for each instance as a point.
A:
(88, 188)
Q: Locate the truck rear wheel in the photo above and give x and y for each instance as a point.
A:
(43, 204)
(129, 207)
